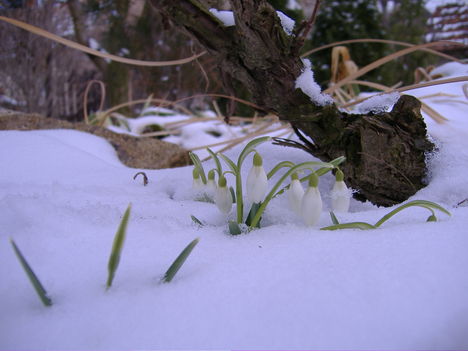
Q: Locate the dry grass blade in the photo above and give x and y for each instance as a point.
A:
(105, 114)
(433, 82)
(465, 90)
(76, 46)
(413, 86)
(436, 116)
(380, 62)
(245, 102)
(384, 41)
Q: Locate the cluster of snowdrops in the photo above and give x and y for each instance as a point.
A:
(307, 203)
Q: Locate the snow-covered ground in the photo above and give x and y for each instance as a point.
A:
(284, 286)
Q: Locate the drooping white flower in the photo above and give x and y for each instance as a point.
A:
(295, 194)
(257, 181)
(311, 206)
(210, 187)
(340, 194)
(223, 197)
(197, 183)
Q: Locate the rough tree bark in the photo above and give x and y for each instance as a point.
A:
(386, 152)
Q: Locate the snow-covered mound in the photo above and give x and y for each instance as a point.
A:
(284, 286)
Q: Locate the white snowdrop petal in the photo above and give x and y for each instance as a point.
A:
(210, 187)
(223, 199)
(197, 184)
(340, 197)
(295, 194)
(311, 206)
(257, 184)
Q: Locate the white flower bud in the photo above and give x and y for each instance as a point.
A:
(257, 181)
(311, 206)
(223, 197)
(197, 183)
(210, 187)
(295, 194)
(340, 194)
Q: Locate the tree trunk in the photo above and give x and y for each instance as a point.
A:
(385, 153)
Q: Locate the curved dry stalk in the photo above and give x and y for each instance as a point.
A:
(465, 89)
(103, 116)
(85, 97)
(378, 63)
(83, 48)
(437, 95)
(232, 142)
(245, 102)
(433, 82)
(415, 86)
(420, 74)
(385, 41)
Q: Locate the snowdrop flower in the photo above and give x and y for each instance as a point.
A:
(223, 197)
(340, 194)
(295, 194)
(210, 184)
(311, 206)
(257, 182)
(197, 183)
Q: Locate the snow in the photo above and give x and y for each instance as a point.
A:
(451, 69)
(286, 22)
(305, 81)
(227, 17)
(377, 103)
(284, 286)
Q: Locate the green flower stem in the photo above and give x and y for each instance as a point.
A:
(250, 147)
(216, 159)
(278, 167)
(320, 172)
(297, 168)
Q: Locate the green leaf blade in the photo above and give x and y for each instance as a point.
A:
(197, 163)
(117, 246)
(419, 203)
(333, 218)
(351, 225)
(41, 292)
(179, 261)
(196, 220)
(234, 228)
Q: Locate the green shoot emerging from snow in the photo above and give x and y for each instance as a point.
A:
(41, 292)
(431, 206)
(179, 261)
(117, 246)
